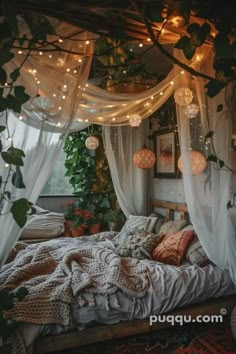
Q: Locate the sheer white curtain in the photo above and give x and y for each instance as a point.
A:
(43, 124)
(130, 182)
(208, 193)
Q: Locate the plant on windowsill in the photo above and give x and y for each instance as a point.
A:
(115, 219)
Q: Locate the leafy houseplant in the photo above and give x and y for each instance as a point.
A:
(89, 175)
(115, 219)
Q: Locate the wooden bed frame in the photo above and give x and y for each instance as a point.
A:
(99, 333)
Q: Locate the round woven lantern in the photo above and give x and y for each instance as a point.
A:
(135, 120)
(198, 163)
(191, 110)
(92, 142)
(144, 158)
(183, 96)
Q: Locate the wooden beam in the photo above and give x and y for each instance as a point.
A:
(49, 344)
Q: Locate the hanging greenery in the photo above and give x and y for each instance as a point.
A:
(88, 171)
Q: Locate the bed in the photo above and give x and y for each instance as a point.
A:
(99, 309)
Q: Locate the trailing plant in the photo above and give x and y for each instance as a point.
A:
(7, 300)
(115, 215)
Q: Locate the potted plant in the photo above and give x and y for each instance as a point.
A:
(115, 219)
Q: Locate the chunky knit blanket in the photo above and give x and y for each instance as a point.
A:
(57, 276)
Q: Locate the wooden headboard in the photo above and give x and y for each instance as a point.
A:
(170, 208)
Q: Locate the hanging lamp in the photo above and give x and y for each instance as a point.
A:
(198, 162)
(144, 158)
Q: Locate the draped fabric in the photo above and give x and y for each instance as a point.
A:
(130, 182)
(207, 194)
(41, 127)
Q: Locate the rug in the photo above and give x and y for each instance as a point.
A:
(195, 338)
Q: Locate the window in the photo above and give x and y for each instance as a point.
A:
(58, 183)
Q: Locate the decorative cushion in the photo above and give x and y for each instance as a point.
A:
(172, 226)
(160, 221)
(139, 245)
(135, 224)
(172, 247)
(195, 253)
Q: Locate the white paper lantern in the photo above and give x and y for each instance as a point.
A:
(198, 162)
(144, 158)
(135, 120)
(191, 110)
(183, 96)
(92, 142)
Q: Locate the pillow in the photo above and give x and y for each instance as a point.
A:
(196, 254)
(172, 247)
(135, 224)
(44, 226)
(139, 245)
(172, 226)
(160, 221)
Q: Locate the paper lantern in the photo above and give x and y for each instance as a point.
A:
(191, 110)
(135, 120)
(183, 96)
(198, 163)
(144, 158)
(92, 142)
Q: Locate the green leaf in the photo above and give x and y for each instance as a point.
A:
(209, 134)
(153, 12)
(15, 74)
(20, 210)
(229, 205)
(212, 158)
(189, 51)
(219, 107)
(221, 163)
(5, 55)
(193, 27)
(6, 299)
(21, 293)
(3, 76)
(2, 128)
(13, 156)
(182, 43)
(0, 181)
(3, 104)
(20, 94)
(214, 87)
(205, 29)
(17, 178)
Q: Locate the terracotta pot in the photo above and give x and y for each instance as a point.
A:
(68, 225)
(78, 231)
(94, 229)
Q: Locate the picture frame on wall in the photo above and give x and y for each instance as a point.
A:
(167, 154)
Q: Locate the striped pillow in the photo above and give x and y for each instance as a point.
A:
(135, 224)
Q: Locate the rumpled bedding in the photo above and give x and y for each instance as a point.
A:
(161, 288)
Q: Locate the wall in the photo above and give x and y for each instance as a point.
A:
(171, 190)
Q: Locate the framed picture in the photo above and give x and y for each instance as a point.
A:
(166, 152)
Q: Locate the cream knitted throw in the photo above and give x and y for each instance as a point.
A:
(56, 277)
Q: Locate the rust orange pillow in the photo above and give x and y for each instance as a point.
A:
(172, 247)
